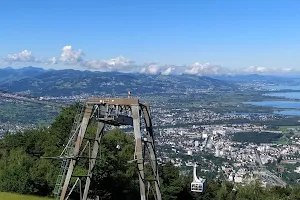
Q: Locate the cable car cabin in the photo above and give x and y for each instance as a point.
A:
(198, 184)
(198, 187)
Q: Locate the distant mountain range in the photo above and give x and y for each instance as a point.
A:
(40, 82)
(10, 74)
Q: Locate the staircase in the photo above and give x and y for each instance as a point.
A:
(67, 153)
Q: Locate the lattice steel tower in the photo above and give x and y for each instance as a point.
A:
(113, 111)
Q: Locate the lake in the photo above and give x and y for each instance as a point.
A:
(276, 104)
(281, 87)
(288, 112)
(292, 105)
(288, 95)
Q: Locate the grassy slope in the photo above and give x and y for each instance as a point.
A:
(9, 196)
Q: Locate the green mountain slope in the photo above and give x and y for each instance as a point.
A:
(71, 82)
(9, 74)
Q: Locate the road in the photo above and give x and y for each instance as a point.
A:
(7, 95)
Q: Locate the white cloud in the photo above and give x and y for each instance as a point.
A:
(263, 70)
(23, 56)
(52, 61)
(288, 70)
(116, 64)
(119, 61)
(168, 71)
(155, 69)
(71, 56)
(151, 69)
(256, 69)
(202, 69)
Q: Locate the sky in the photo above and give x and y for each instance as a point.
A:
(191, 36)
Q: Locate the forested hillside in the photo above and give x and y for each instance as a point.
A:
(22, 170)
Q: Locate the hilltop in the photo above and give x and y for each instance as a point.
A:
(10, 74)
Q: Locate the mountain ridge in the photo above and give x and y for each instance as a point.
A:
(9, 74)
(66, 82)
(73, 82)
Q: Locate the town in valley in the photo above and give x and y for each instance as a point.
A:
(232, 131)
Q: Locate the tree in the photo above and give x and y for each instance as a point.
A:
(170, 181)
(114, 177)
(15, 171)
(223, 192)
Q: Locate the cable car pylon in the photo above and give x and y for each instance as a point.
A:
(112, 111)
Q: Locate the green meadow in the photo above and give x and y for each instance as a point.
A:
(10, 196)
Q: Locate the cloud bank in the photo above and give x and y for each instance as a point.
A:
(23, 56)
(155, 69)
(202, 69)
(70, 56)
(115, 64)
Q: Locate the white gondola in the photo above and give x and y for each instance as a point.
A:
(198, 184)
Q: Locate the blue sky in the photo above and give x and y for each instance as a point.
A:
(230, 34)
